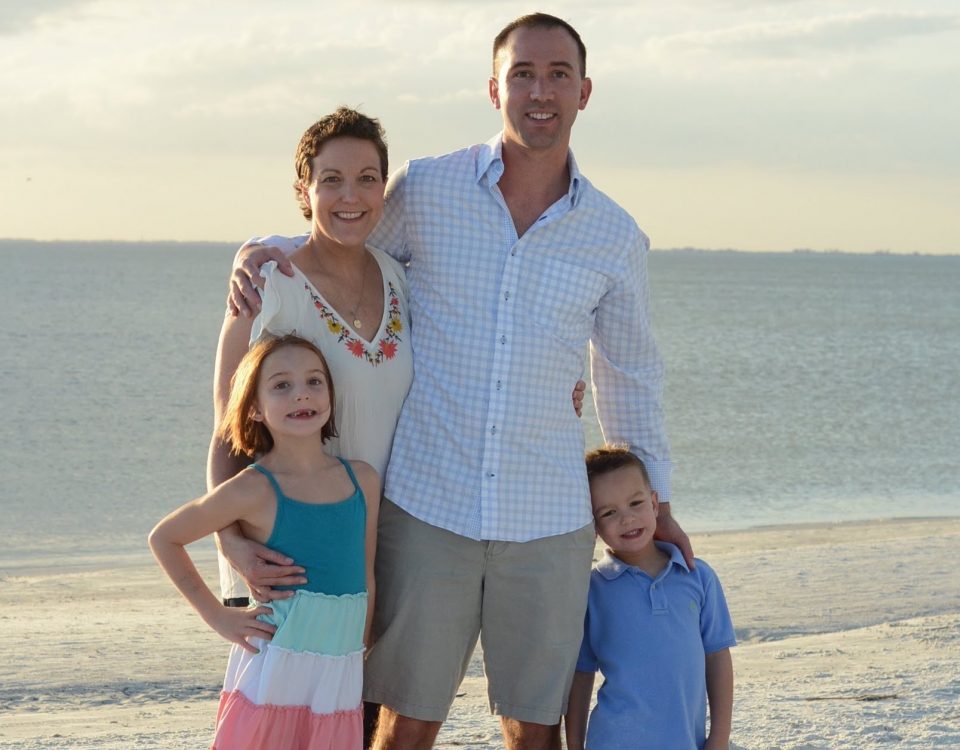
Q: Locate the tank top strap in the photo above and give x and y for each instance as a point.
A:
(273, 480)
(353, 478)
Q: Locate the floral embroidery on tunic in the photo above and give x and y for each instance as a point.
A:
(375, 352)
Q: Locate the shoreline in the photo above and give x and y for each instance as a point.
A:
(849, 637)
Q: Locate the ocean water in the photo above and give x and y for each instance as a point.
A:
(800, 387)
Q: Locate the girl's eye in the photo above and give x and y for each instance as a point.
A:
(316, 381)
(280, 385)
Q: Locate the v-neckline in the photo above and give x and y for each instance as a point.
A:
(384, 316)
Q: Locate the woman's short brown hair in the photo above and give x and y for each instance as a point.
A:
(343, 123)
(245, 434)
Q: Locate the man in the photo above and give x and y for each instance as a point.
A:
(515, 262)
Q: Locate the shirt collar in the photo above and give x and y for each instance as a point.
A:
(490, 164)
(611, 567)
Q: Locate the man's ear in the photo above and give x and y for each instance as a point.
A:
(586, 88)
(493, 90)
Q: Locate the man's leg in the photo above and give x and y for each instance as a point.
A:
(425, 626)
(396, 732)
(534, 601)
(522, 735)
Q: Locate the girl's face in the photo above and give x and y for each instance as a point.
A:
(346, 192)
(293, 395)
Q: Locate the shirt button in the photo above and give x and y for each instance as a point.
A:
(499, 385)
(503, 339)
(506, 295)
(513, 252)
(491, 475)
(493, 430)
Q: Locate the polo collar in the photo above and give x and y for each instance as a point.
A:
(490, 164)
(611, 567)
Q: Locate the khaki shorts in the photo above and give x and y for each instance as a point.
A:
(437, 591)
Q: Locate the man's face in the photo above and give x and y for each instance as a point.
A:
(538, 88)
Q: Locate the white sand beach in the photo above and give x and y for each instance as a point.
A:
(849, 638)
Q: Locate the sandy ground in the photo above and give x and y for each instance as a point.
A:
(849, 638)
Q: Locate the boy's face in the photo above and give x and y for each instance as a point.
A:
(624, 509)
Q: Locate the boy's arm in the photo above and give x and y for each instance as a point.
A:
(719, 669)
(578, 707)
(189, 523)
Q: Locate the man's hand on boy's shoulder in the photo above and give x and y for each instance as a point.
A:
(668, 530)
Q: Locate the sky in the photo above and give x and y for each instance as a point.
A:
(762, 126)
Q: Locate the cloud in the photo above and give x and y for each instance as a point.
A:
(16, 17)
(799, 38)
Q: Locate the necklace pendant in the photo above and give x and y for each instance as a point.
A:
(357, 324)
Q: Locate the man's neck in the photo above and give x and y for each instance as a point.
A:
(532, 181)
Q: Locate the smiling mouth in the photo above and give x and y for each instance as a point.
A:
(348, 215)
(632, 534)
(541, 116)
(302, 414)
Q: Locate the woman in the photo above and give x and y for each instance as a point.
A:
(349, 300)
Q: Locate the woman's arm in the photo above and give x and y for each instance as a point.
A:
(578, 708)
(193, 521)
(719, 668)
(260, 567)
(370, 484)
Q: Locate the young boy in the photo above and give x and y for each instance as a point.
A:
(658, 631)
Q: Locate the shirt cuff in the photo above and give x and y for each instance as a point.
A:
(660, 473)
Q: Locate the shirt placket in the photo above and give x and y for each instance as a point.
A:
(491, 497)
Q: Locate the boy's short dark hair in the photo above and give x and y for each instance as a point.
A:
(610, 458)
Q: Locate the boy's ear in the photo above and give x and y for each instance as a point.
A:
(655, 499)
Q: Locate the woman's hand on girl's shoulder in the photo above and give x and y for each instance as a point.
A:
(239, 625)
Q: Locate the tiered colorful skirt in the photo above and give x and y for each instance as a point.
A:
(303, 691)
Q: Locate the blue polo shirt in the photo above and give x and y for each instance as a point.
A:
(648, 636)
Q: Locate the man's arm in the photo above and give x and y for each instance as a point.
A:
(627, 373)
(243, 300)
(719, 672)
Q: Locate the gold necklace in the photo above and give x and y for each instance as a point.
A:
(357, 325)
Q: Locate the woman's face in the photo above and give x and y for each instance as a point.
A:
(345, 194)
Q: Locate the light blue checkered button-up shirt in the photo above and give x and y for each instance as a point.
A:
(488, 445)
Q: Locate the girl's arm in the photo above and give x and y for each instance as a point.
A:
(234, 500)
(370, 484)
(719, 667)
(578, 708)
(259, 566)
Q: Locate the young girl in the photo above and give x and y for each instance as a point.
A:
(295, 671)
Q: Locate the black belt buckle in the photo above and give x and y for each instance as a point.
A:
(237, 601)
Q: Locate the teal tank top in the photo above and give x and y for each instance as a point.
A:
(327, 540)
